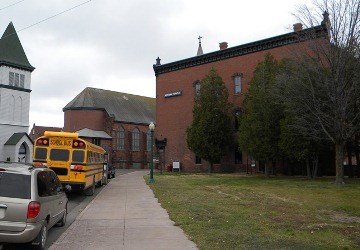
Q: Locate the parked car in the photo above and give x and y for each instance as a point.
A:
(111, 171)
(32, 200)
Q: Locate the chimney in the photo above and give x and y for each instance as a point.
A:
(223, 45)
(297, 27)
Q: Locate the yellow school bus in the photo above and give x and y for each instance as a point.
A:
(77, 162)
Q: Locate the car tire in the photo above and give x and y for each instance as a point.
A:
(40, 240)
(62, 222)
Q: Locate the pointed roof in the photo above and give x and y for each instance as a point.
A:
(124, 107)
(199, 51)
(11, 51)
(15, 138)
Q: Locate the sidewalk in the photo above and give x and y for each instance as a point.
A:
(124, 215)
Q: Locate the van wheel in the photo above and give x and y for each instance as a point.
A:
(91, 190)
(40, 240)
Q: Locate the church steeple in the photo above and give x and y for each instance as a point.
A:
(200, 51)
(11, 51)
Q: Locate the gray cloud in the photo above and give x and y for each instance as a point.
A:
(112, 44)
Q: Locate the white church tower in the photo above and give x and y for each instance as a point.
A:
(15, 88)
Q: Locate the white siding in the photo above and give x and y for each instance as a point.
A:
(22, 106)
(4, 76)
(6, 131)
(14, 115)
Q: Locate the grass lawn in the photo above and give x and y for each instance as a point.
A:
(232, 211)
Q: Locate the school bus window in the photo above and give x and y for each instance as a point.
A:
(59, 155)
(78, 156)
(40, 153)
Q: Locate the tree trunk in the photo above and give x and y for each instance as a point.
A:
(339, 159)
(349, 156)
(308, 170)
(274, 167)
(267, 169)
(357, 154)
(315, 166)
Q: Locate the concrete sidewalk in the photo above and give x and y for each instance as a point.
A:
(124, 215)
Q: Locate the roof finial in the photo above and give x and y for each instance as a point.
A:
(200, 51)
(158, 61)
(326, 20)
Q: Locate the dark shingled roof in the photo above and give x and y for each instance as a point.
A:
(15, 138)
(11, 51)
(124, 107)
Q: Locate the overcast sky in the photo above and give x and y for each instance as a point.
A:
(113, 44)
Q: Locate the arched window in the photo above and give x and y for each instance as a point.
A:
(22, 153)
(148, 141)
(18, 113)
(12, 108)
(197, 87)
(237, 82)
(236, 119)
(135, 140)
(120, 139)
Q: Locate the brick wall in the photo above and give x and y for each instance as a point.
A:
(174, 114)
(75, 120)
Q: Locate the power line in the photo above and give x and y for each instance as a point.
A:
(11, 5)
(58, 14)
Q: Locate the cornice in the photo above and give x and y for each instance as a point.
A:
(269, 43)
(14, 88)
(17, 66)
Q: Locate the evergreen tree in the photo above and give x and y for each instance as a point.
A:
(210, 133)
(259, 128)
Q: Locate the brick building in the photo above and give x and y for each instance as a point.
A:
(37, 131)
(178, 82)
(116, 121)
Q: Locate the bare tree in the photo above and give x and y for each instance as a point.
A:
(322, 88)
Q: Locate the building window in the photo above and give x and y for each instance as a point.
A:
(236, 119)
(11, 78)
(197, 159)
(16, 79)
(135, 140)
(120, 139)
(197, 87)
(12, 108)
(148, 141)
(96, 141)
(237, 83)
(22, 80)
(238, 155)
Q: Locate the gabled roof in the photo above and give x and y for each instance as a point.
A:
(124, 107)
(86, 132)
(15, 138)
(11, 51)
